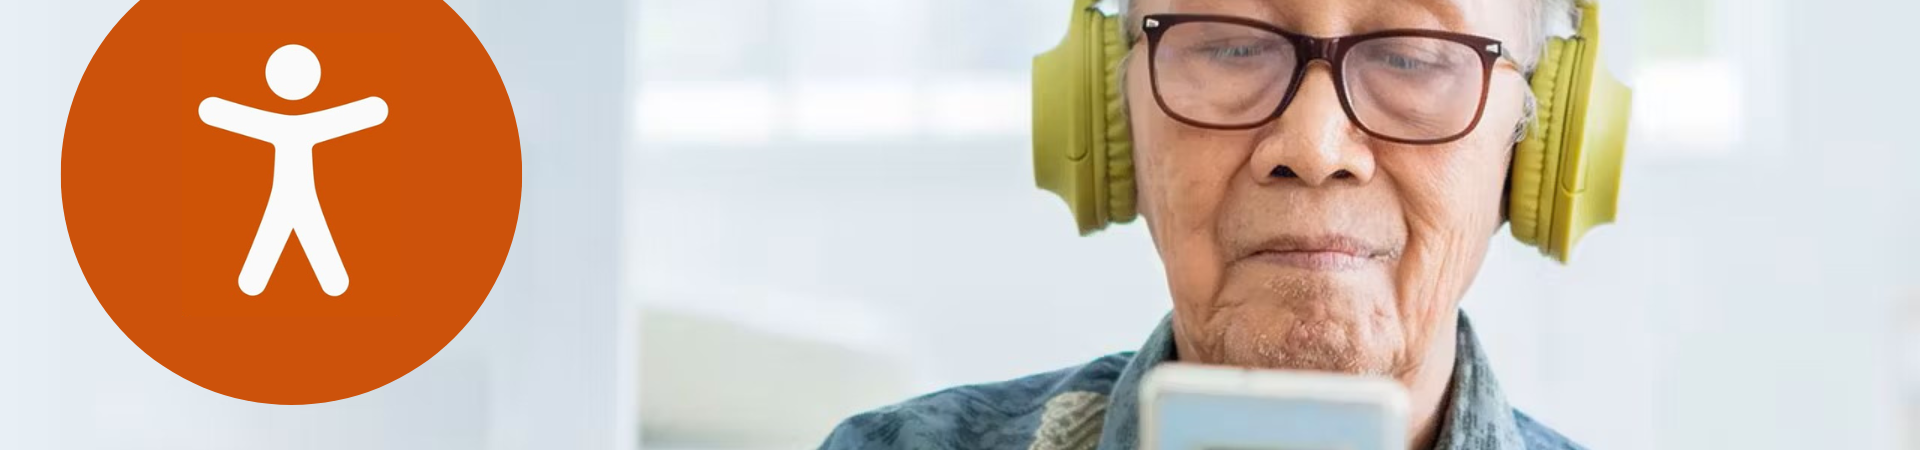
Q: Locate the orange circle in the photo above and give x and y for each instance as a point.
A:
(163, 208)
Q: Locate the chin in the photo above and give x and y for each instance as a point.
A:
(1319, 326)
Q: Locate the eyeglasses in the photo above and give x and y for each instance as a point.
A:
(1405, 86)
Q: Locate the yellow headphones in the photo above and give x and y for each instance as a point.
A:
(1565, 177)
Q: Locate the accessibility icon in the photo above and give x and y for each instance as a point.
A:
(292, 207)
(291, 202)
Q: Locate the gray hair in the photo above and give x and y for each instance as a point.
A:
(1552, 19)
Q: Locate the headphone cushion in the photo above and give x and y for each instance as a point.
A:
(1532, 171)
(1119, 133)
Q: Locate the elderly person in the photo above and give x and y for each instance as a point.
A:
(1327, 235)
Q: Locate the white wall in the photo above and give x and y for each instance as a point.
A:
(543, 364)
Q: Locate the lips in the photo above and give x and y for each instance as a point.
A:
(1331, 253)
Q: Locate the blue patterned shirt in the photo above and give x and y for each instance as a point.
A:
(1096, 406)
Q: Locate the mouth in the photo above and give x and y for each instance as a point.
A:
(1327, 253)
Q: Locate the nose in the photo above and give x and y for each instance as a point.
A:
(1313, 142)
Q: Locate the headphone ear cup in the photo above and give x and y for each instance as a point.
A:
(1081, 144)
(1566, 173)
(1119, 133)
(1534, 168)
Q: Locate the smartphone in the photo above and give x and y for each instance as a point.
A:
(1194, 407)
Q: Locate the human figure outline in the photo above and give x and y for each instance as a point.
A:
(293, 205)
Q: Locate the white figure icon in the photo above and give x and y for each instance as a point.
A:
(293, 207)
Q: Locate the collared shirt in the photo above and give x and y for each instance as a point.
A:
(1096, 405)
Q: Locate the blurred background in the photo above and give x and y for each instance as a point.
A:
(745, 220)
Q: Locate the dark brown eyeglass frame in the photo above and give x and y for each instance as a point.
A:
(1333, 50)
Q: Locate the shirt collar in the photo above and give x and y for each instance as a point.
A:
(1476, 413)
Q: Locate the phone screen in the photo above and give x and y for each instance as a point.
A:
(1222, 422)
(1210, 409)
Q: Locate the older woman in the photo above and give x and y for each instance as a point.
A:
(1305, 222)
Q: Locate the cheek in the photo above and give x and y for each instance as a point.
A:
(1452, 197)
(1183, 178)
(1459, 188)
(1182, 214)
